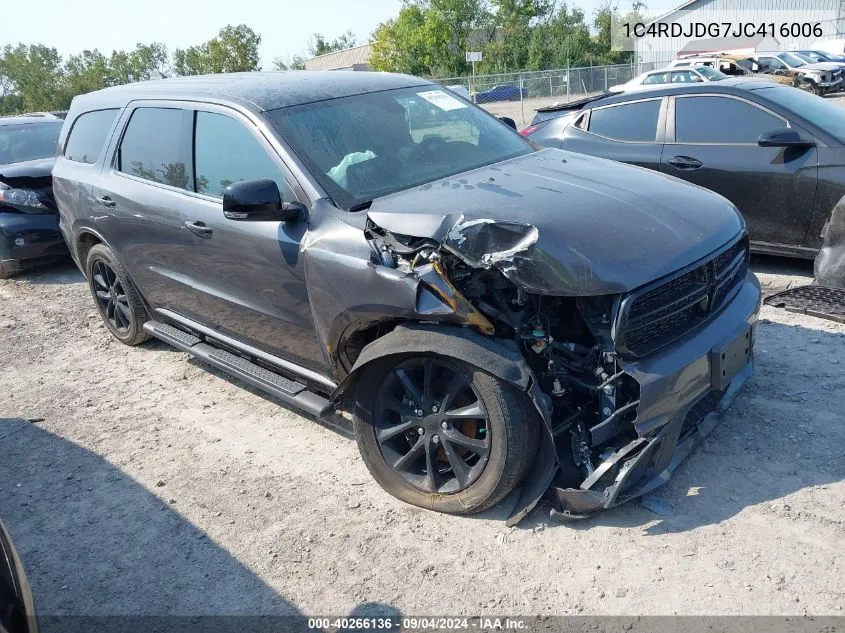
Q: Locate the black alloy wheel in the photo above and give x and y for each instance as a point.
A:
(431, 425)
(111, 297)
(118, 301)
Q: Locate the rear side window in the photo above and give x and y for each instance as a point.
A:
(721, 120)
(157, 146)
(88, 135)
(633, 122)
(227, 152)
(685, 77)
(657, 78)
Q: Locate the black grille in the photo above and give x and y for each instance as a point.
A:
(662, 312)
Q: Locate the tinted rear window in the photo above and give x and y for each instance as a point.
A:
(157, 146)
(28, 141)
(88, 135)
(721, 120)
(627, 122)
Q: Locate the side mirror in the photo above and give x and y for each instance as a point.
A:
(784, 137)
(257, 200)
(507, 121)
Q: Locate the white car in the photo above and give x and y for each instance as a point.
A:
(670, 76)
(729, 65)
(820, 78)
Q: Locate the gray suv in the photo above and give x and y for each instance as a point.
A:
(491, 314)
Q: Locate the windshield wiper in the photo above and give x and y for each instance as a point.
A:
(361, 206)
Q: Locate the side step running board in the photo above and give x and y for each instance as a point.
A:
(284, 389)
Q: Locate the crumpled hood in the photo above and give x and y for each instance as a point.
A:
(560, 223)
(28, 173)
(819, 67)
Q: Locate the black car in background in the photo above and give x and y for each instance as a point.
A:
(815, 57)
(776, 152)
(29, 227)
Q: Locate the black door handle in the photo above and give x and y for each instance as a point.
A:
(684, 162)
(198, 228)
(107, 202)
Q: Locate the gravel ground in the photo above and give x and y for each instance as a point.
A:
(138, 481)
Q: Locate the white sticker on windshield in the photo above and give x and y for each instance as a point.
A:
(442, 100)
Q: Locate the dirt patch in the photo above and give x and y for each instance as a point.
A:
(147, 484)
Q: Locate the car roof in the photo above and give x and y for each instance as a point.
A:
(260, 90)
(712, 57)
(734, 86)
(727, 86)
(22, 119)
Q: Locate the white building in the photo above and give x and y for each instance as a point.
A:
(356, 58)
(653, 50)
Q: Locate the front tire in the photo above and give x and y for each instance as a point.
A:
(117, 299)
(442, 434)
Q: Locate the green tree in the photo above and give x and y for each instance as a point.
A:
(607, 17)
(432, 37)
(139, 64)
(514, 22)
(10, 101)
(296, 62)
(34, 74)
(453, 27)
(399, 45)
(235, 49)
(83, 73)
(564, 40)
(319, 45)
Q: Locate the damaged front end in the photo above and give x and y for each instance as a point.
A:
(623, 386)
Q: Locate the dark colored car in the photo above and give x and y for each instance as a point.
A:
(490, 314)
(507, 92)
(29, 229)
(776, 152)
(17, 610)
(815, 57)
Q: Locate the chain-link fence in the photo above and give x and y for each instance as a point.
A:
(518, 94)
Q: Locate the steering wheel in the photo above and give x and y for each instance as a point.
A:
(426, 148)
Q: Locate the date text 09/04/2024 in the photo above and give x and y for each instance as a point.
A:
(722, 29)
(387, 623)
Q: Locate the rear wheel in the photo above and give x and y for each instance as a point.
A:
(117, 299)
(442, 434)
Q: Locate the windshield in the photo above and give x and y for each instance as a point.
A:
(365, 146)
(820, 112)
(810, 57)
(28, 141)
(712, 75)
(793, 61)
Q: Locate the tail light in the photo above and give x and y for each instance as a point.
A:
(534, 127)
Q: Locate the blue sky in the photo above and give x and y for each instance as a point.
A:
(284, 25)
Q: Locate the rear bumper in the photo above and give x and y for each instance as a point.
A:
(681, 402)
(28, 238)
